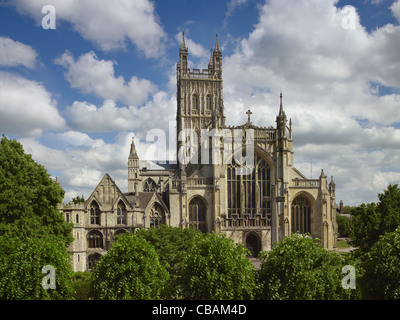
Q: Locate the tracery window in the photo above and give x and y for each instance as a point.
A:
(121, 213)
(94, 213)
(249, 196)
(95, 239)
(301, 215)
(208, 102)
(195, 101)
(149, 185)
(197, 214)
(157, 216)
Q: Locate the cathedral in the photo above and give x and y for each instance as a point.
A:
(239, 181)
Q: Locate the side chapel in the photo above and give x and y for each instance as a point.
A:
(256, 204)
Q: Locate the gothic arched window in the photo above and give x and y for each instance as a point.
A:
(157, 216)
(95, 239)
(249, 195)
(208, 102)
(301, 215)
(94, 213)
(121, 213)
(195, 101)
(149, 185)
(197, 214)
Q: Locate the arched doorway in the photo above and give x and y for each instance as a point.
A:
(253, 244)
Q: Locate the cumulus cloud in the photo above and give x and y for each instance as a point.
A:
(80, 161)
(156, 113)
(14, 53)
(94, 76)
(395, 7)
(108, 24)
(330, 76)
(26, 107)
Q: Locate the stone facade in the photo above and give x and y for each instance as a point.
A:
(239, 181)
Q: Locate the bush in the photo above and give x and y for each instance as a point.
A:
(130, 270)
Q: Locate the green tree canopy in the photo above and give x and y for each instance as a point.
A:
(29, 197)
(298, 268)
(370, 221)
(21, 263)
(382, 268)
(171, 244)
(130, 270)
(216, 268)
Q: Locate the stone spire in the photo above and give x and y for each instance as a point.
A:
(133, 153)
(183, 46)
(217, 45)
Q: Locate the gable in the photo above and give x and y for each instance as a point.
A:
(107, 193)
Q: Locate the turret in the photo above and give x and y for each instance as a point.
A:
(217, 59)
(281, 121)
(133, 169)
(182, 66)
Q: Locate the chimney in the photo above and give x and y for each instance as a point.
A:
(341, 207)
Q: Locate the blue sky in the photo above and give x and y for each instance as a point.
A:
(75, 95)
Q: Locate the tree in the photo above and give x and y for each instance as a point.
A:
(344, 225)
(382, 273)
(21, 264)
(29, 197)
(298, 268)
(130, 270)
(216, 268)
(171, 245)
(78, 199)
(370, 221)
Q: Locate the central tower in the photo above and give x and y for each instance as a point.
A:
(200, 103)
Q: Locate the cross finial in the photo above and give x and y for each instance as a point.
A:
(249, 113)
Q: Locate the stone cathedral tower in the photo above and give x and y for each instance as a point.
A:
(199, 92)
(255, 202)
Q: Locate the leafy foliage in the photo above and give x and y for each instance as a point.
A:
(370, 221)
(29, 197)
(171, 245)
(298, 268)
(344, 225)
(382, 268)
(130, 270)
(216, 268)
(21, 263)
(78, 199)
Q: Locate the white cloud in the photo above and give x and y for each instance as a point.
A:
(26, 108)
(108, 24)
(14, 53)
(94, 76)
(330, 78)
(195, 49)
(81, 161)
(395, 7)
(109, 117)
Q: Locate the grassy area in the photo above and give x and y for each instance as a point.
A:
(342, 244)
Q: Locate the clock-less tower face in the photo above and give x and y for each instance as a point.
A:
(199, 93)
